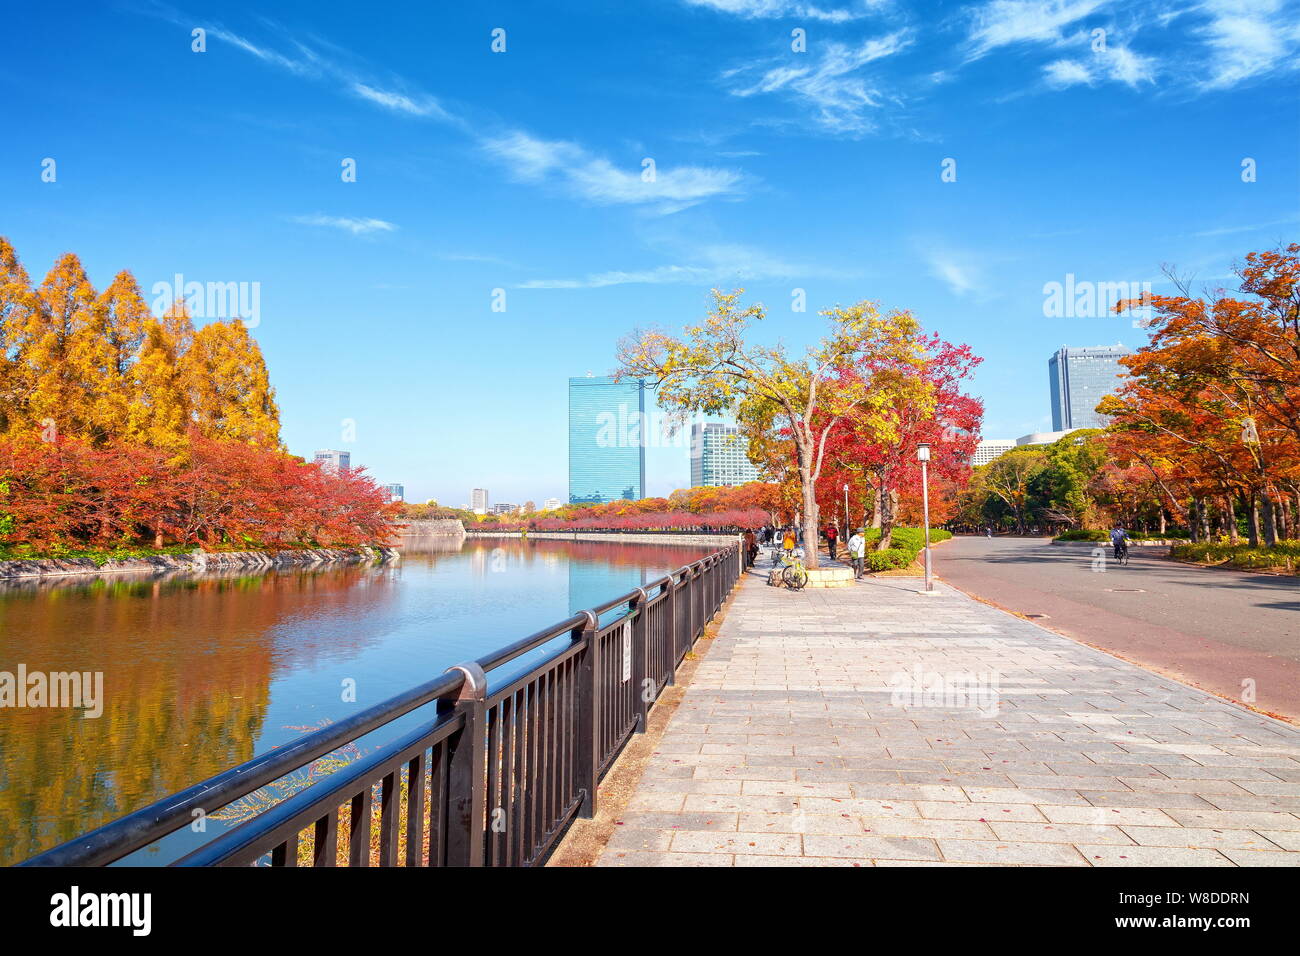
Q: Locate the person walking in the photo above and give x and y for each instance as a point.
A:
(832, 538)
(751, 549)
(858, 552)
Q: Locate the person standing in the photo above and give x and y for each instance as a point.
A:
(751, 549)
(832, 538)
(857, 552)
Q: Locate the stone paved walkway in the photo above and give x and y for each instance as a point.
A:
(877, 726)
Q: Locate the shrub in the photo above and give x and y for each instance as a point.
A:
(890, 559)
(1083, 534)
(1284, 554)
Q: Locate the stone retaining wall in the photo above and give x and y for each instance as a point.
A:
(720, 540)
(198, 560)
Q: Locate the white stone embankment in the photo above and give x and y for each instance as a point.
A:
(198, 561)
(720, 539)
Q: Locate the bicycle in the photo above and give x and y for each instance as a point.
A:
(795, 575)
(1121, 554)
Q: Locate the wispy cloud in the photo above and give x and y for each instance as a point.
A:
(711, 264)
(1119, 64)
(597, 180)
(358, 227)
(1248, 38)
(400, 102)
(1252, 227)
(841, 98)
(786, 9)
(1004, 22)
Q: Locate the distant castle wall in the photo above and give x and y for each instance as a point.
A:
(437, 526)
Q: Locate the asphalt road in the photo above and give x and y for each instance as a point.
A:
(1213, 628)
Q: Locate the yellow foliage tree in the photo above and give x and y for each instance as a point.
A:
(229, 390)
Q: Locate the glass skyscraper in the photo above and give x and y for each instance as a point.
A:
(1080, 378)
(607, 433)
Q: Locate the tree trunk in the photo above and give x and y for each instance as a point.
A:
(1252, 520)
(810, 513)
(886, 524)
(1270, 523)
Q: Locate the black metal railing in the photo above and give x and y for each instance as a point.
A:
(493, 779)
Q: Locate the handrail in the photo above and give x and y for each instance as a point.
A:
(121, 837)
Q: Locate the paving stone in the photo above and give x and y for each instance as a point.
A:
(870, 847)
(1062, 833)
(792, 746)
(1008, 853)
(1099, 855)
(767, 844)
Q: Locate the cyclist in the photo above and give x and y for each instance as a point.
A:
(1119, 541)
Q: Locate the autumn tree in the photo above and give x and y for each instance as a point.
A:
(227, 387)
(775, 396)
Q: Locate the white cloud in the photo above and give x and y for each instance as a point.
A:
(597, 180)
(1063, 73)
(358, 227)
(1004, 22)
(1128, 67)
(955, 271)
(841, 99)
(399, 102)
(784, 9)
(713, 264)
(1247, 38)
(1115, 63)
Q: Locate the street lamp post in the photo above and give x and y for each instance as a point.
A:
(923, 456)
(847, 520)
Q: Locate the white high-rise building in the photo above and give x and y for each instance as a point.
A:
(718, 456)
(333, 461)
(478, 501)
(991, 448)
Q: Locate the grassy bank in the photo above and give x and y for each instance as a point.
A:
(1283, 556)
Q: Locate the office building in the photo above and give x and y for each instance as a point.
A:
(606, 440)
(395, 492)
(989, 449)
(1080, 378)
(334, 462)
(550, 504)
(718, 456)
(478, 501)
(1043, 438)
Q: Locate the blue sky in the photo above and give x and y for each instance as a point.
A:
(1098, 154)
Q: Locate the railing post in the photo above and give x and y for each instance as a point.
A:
(640, 623)
(679, 609)
(466, 770)
(589, 694)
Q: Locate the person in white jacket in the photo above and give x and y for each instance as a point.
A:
(857, 552)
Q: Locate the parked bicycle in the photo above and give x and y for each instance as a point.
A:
(795, 575)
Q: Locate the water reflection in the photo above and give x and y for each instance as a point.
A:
(204, 671)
